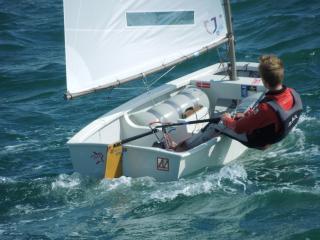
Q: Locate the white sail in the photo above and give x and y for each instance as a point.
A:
(107, 41)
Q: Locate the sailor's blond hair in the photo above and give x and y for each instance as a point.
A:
(271, 70)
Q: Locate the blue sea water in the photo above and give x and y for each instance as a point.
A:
(273, 194)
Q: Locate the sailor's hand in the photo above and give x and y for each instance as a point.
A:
(239, 115)
(227, 120)
(225, 115)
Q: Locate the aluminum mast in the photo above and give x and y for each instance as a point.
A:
(232, 55)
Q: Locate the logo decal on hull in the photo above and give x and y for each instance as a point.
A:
(201, 84)
(97, 156)
(246, 88)
(162, 164)
(256, 81)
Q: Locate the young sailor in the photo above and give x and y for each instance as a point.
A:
(275, 115)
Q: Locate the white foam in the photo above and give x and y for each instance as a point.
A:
(122, 181)
(290, 188)
(184, 188)
(235, 173)
(6, 180)
(21, 147)
(38, 167)
(75, 234)
(314, 150)
(305, 118)
(66, 181)
(300, 142)
(308, 94)
(22, 209)
(14, 148)
(116, 183)
(202, 184)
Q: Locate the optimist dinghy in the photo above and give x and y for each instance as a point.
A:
(169, 131)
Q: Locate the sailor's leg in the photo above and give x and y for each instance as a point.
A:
(208, 133)
(232, 134)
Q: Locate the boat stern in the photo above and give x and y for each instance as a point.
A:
(89, 159)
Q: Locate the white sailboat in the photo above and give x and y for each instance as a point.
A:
(112, 42)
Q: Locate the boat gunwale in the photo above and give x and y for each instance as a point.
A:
(125, 108)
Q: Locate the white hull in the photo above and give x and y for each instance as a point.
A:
(88, 147)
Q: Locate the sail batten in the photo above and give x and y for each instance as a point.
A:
(105, 47)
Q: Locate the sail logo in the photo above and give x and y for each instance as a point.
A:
(214, 25)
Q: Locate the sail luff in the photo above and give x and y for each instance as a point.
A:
(70, 96)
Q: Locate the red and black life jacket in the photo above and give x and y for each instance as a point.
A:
(268, 135)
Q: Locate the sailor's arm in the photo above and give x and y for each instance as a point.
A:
(249, 121)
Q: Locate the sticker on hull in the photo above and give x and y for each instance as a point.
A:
(246, 88)
(202, 84)
(162, 164)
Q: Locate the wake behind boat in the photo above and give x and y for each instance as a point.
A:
(113, 42)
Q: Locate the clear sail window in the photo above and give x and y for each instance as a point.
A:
(159, 18)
